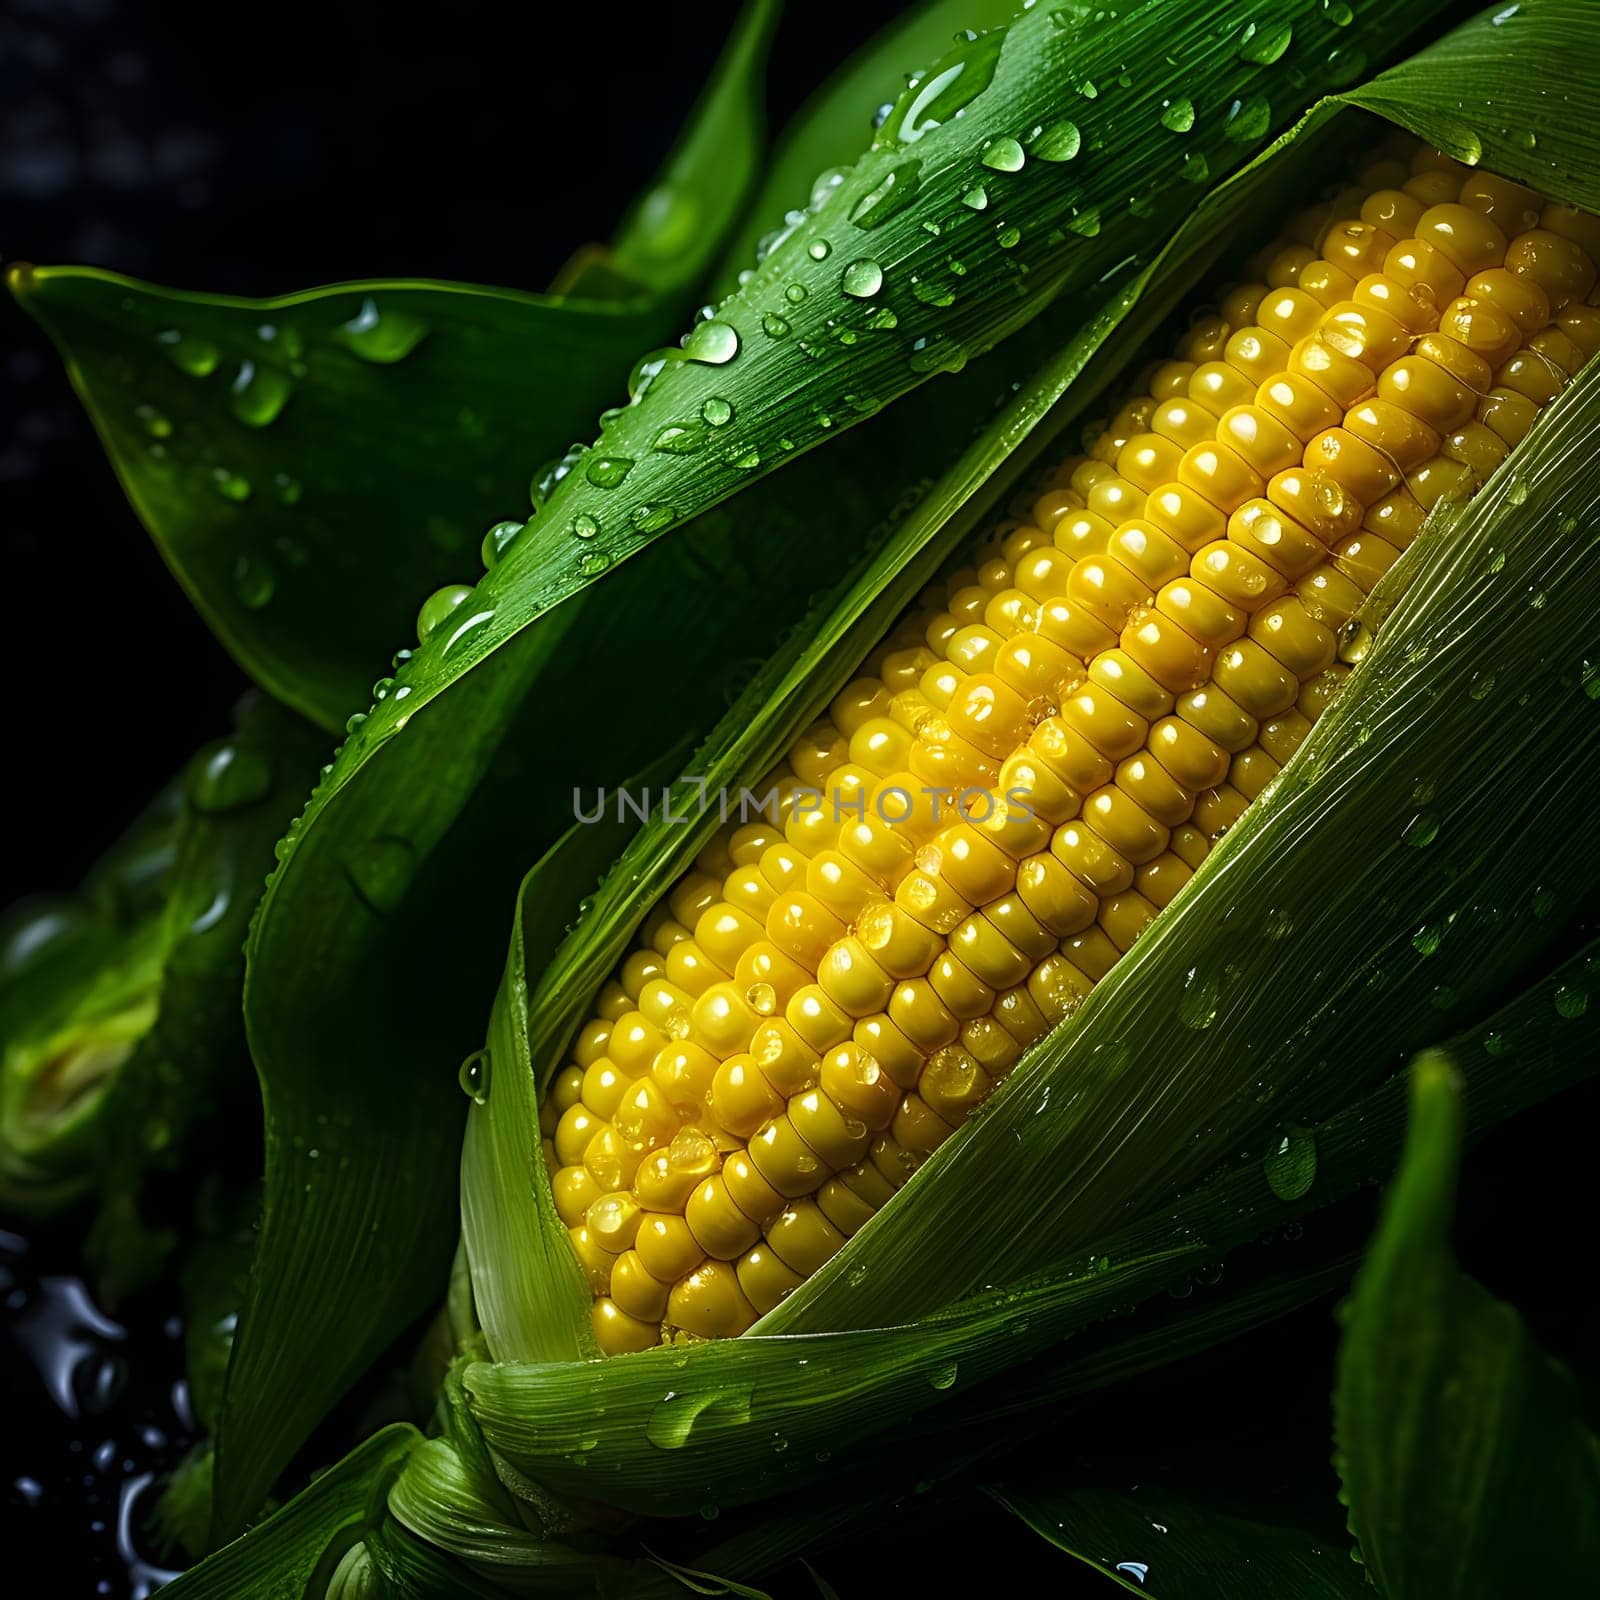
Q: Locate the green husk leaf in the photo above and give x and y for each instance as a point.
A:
(1161, 1544)
(683, 1428)
(828, 132)
(1462, 1445)
(119, 1012)
(674, 229)
(1509, 93)
(313, 465)
(284, 1556)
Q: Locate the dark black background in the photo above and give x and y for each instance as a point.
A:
(259, 150)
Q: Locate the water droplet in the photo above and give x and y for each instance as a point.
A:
(253, 582)
(156, 425)
(259, 394)
(744, 460)
(1086, 223)
(1057, 141)
(1006, 236)
(1427, 939)
(944, 1376)
(1292, 1165)
(712, 344)
(1004, 155)
(1338, 13)
(592, 563)
(230, 485)
(1199, 1004)
(380, 871)
(676, 1416)
(1421, 830)
(189, 353)
(439, 606)
(716, 412)
(774, 326)
(381, 337)
(795, 294)
(227, 776)
(678, 439)
(1196, 169)
(938, 354)
(606, 472)
(1571, 1002)
(1178, 116)
(763, 998)
(896, 190)
(1516, 491)
(862, 279)
(976, 198)
(1263, 46)
(652, 519)
(466, 627)
(950, 86)
(933, 294)
(1248, 119)
(474, 1077)
(498, 540)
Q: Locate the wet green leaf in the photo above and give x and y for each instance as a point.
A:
(1462, 1445)
(120, 1009)
(1163, 1545)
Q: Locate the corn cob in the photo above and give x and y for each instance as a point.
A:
(824, 999)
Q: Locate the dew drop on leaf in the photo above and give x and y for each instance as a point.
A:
(253, 582)
(474, 1077)
(1421, 830)
(712, 344)
(380, 871)
(189, 353)
(1262, 46)
(606, 472)
(226, 777)
(862, 279)
(1199, 1004)
(259, 393)
(1178, 116)
(1248, 119)
(156, 425)
(1059, 141)
(892, 194)
(716, 412)
(1571, 1002)
(652, 519)
(497, 541)
(1290, 1168)
(230, 485)
(438, 606)
(1004, 155)
(381, 337)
